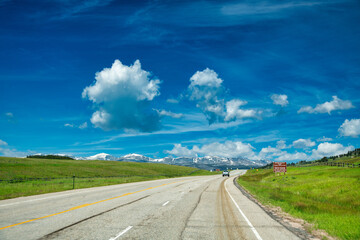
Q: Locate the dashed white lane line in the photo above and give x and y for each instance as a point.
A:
(165, 203)
(121, 233)
(246, 219)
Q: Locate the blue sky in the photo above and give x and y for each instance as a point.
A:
(275, 80)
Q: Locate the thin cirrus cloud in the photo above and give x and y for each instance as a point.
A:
(81, 126)
(169, 114)
(172, 100)
(264, 9)
(207, 92)
(350, 128)
(8, 151)
(328, 107)
(324, 139)
(121, 96)
(3, 143)
(68, 9)
(212, 13)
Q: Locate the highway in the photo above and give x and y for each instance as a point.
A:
(200, 207)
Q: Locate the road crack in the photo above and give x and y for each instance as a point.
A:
(192, 211)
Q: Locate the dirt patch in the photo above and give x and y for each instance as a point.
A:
(299, 227)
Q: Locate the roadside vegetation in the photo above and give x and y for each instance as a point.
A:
(327, 197)
(31, 176)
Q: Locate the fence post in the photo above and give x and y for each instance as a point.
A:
(73, 181)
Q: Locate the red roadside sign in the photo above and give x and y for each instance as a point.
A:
(279, 167)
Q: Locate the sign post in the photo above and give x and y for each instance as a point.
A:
(279, 167)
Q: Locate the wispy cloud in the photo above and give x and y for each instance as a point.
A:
(169, 113)
(210, 13)
(71, 8)
(191, 123)
(264, 8)
(81, 126)
(8, 151)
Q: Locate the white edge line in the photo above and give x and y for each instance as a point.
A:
(246, 219)
(165, 203)
(34, 200)
(84, 190)
(121, 233)
(56, 196)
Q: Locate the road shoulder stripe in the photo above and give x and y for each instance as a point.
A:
(257, 235)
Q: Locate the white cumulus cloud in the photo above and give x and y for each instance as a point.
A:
(181, 151)
(233, 110)
(226, 149)
(303, 143)
(350, 128)
(285, 156)
(327, 149)
(208, 78)
(207, 91)
(328, 107)
(280, 99)
(121, 96)
(269, 153)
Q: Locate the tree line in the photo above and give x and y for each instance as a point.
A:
(50, 157)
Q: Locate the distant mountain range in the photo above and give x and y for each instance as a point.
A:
(208, 162)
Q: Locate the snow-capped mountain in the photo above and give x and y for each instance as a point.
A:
(207, 162)
(100, 156)
(133, 157)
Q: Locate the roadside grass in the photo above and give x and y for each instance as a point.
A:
(327, 197)
(56, 175)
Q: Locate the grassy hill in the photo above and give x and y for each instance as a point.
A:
(328, 197)
(30, 176)
(352, 160)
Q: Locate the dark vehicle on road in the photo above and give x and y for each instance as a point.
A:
(226, 173)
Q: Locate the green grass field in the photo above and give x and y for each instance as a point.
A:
(327, 197)
(88, 174)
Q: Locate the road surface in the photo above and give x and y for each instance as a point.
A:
(201, 207)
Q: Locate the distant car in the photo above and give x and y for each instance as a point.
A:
(226, 173)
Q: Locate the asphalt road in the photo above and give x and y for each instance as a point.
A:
(203, 207)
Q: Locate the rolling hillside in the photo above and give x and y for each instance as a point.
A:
(29, 176)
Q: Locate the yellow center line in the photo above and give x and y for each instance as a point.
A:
(88, 204)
